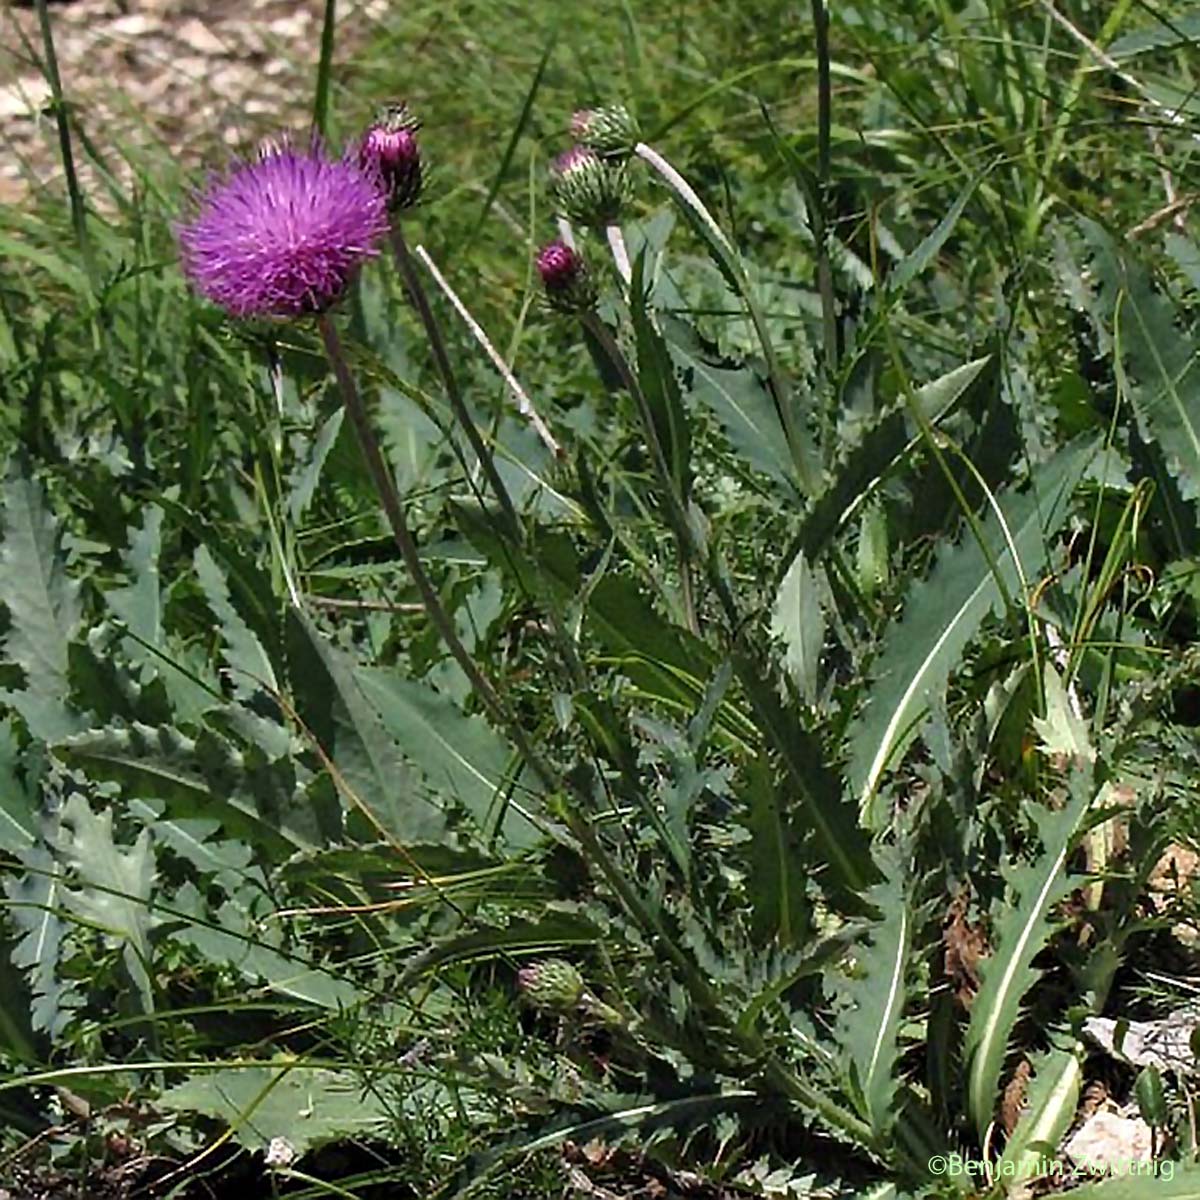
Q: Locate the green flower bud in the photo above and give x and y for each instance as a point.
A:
(553, 985)
(588, 189)
(609, 130)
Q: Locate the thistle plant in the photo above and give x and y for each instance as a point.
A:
(568, 283)
(609, 130)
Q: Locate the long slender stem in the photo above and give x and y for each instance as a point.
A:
(74, 193)
(524, 404)
(393, 507)
(616, 243)
(324, 69)
(820, 225)
(416, 292)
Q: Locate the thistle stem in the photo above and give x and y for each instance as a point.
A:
(616, 243)
(393, 507)
(412, 284)
(66, 151)
(524, 404)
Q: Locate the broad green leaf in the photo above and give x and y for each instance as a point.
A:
(798, 621)
(110, 886)
(776, 864)
(43, 607)
(230, 937)
(461, 756)
(306, 1108)
(943, 612)
(869, 1027)
(737, 396)
(1158, 354)
(198, 777)
(1163, 1180)
(370, 758)
(1022, 927)
(1176, 31)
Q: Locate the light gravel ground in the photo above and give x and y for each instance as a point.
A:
(188, 73)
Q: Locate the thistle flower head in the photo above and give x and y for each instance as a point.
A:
(552, 984)
(282, 236)
(564, 274)
(586, 188)
(390, 148)
(609, 130)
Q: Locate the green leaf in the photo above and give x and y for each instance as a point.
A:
(461, 756)
(1060, 730)
(304, 480)
(241, 649)
(35, 903)
(285, 1100)
(1022, 928)
(776, 864)
(231, 937)
(18, 809)
(797, 620)
(197, 777)
(139, 607)
(943, 612)
(1164, 1180)
(43, 607)
(886, 445)
(914, 263)
(1157, 354)
(869, 1027)
(656, 377)
(370, 759)
(1051, 1099)
(111, 886)
(738, 397)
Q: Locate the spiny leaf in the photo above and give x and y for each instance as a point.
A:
(370, 759)
(461, 756)
(869, 1028)
(35, 899)
(944, 611)
(915, 262)
(43, 607)
(1159, 355)
(203, 776)
(18, 811)
(1050, 1104)
(776, 864)
(284, 1100)
(242, 650)
(111, 885)
(1022, 929)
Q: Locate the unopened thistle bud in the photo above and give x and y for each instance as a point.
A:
(609, 130)
(587, 188)
(569, 285)
(390, 148)
(552, 985)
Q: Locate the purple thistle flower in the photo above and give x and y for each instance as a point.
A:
(282, 236)
(564, 274)
(390, 147)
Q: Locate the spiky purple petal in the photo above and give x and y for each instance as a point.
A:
(282, 236)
